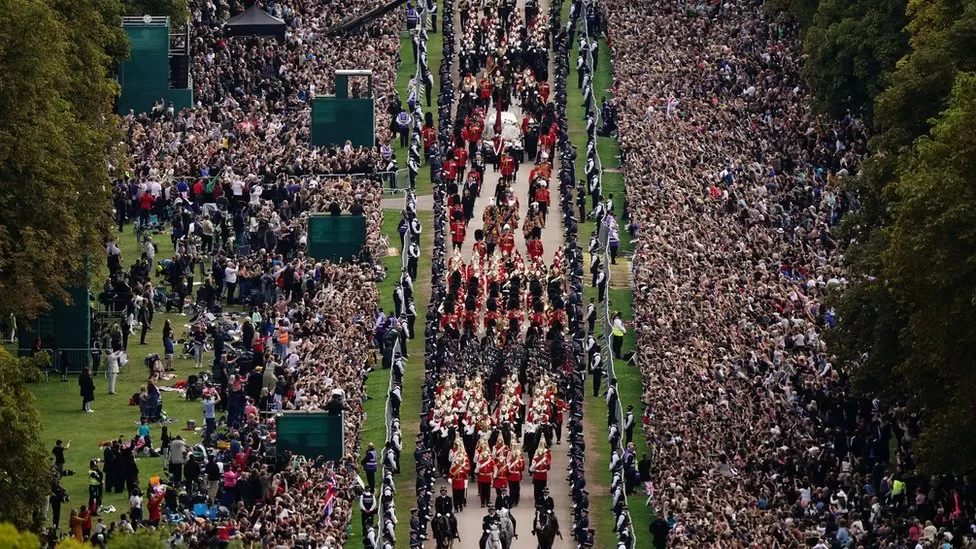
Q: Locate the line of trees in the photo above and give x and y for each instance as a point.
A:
(59, 144)
(908, 317)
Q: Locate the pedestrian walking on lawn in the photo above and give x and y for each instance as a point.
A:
(87, 385)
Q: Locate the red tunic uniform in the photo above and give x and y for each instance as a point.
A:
(507, 243)
(534, 248)
(449, 170)
(544, 91)
(507, 165)
(486, 469)
(460, 157)
(430, 136)
(459, 475)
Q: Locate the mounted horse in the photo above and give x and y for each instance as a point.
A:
(546, 528)
(445, 531)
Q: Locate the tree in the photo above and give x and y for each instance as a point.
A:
(177, 10)
(12, 539)
(941, 34)
(851, 48)
(24, 473)
(932, 272)
(57, 129)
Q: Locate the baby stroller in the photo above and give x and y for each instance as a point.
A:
(154, 365)
(195, 386)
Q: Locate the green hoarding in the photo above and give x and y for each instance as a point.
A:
(310, 434)
(336, 238)
(335, 120)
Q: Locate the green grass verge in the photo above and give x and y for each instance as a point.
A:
(629, 379)
(374, 428)
(406, 71)
(607, 147)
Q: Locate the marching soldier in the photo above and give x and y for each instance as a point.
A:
(540, 471)
(485, 468)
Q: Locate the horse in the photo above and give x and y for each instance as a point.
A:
(445, 531)
(494, 538)
(546, 528)
(506, 529)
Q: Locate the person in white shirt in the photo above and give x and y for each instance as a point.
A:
(230, 280)
(112, 369)
(149, 248)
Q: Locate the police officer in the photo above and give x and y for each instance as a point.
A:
(582, 525)
(414, 522)
(443, 505)
(370, 464)
(612, 402)
(545, 502)
(490, 520)
(629, 425)
(367, 508)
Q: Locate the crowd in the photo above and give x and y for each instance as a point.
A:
(253, 95)
(232, 182)
(735, 186)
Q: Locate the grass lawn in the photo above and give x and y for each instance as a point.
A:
(60, 402)
(629, 379)
(406, 71)
(607, 147)
(374, 428)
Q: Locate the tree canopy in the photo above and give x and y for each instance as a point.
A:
(907, 316)
(57, 130)
(851, 47)
(25, 476)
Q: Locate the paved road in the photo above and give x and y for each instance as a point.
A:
(470, 520)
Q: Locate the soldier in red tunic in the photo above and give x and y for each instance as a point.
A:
(507, 163)
(507, 241)
(542, 199)
(458, 232)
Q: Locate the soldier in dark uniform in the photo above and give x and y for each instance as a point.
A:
(414, 522)
(443, 505)
(491, 519)
(582, 525)
(545, 502)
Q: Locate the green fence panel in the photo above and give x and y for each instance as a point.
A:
(310, 434)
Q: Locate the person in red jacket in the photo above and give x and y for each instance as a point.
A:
(459, 481)
(507, 241)
(534, 245)
(460, 161)
(500, 481)
(484, 91)
(485, 468)
(449, 170)
(541, 463)
(479, 245)
(542, 199)
(430, 136)
(146, 202)
(544, 91)
(507, 163)
(516, 466)
(458, 232)
(546, 142)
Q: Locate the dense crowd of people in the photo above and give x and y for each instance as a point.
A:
(253, 96)
(232, 182)
(735, 186)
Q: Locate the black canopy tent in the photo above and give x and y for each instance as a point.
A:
(255, 22)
